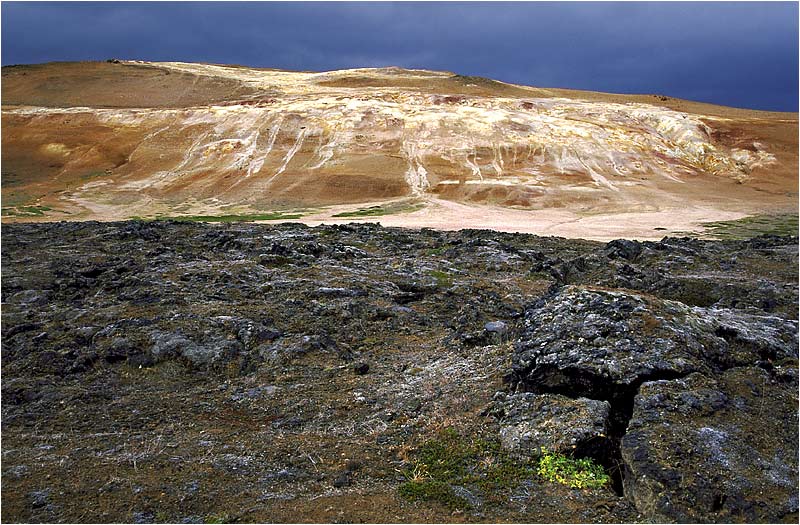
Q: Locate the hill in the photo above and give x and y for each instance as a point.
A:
(115, 140)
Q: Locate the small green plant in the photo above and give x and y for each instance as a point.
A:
(432, 490)
(436, 251)
(449, 460)
(443, 279)
(218, 518)
(575, 473)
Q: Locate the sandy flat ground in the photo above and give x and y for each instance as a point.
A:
(447, 215)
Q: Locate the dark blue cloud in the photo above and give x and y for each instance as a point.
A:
(737, 54)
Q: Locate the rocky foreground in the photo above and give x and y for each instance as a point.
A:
(162, 371)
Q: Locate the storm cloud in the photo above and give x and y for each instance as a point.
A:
(737, 54)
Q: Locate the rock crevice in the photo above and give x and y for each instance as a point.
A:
(662, 371)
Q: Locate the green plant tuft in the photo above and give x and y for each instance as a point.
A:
(432, 491)
(450, 460)
(437, 251)
(575, 473)
(443, 279)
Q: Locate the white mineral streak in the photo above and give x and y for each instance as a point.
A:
(416, 175)
(476, 171)
(258, 162)
(526, 140)
(324, 154)
(296, 146)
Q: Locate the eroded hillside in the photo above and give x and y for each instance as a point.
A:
(117, 140)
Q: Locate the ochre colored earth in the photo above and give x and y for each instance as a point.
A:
(109, 141)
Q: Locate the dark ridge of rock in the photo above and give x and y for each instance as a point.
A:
(624, 249)
(603, 344)
(692, 271)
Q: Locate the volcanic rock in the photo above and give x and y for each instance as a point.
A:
(702, 402)
(700, 449)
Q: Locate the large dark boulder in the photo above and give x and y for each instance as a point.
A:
(531, 422)
(700, 449)
(603, 344)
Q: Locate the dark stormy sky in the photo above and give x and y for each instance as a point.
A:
(737, 54)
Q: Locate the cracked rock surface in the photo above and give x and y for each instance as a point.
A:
(714, 449)
(598, 342)
(702, 400)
